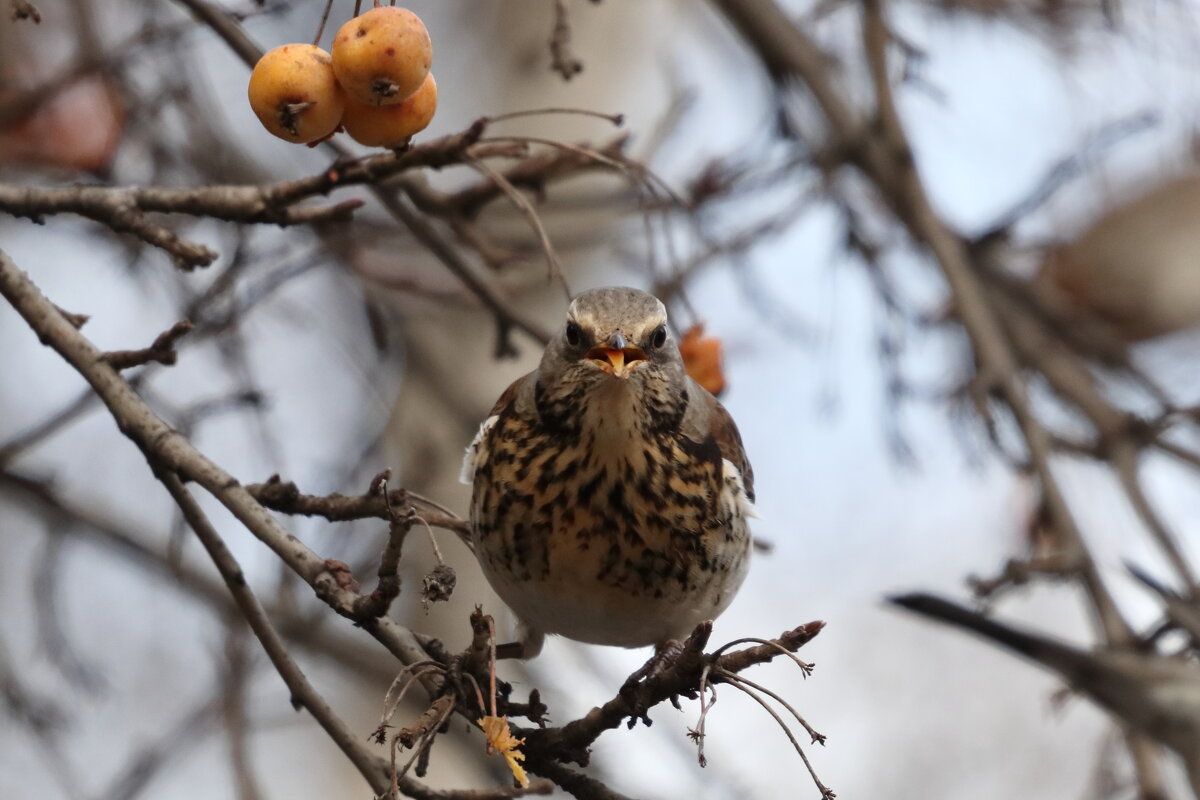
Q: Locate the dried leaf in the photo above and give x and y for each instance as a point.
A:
(501, 739)
(702, 357)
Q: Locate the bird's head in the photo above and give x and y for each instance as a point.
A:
(615, 342)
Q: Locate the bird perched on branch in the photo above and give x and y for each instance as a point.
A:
(610, 491)
(1156, 695)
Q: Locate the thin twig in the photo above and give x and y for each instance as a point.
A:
(817, 738)
(615, 119)
(161, 351)
(321, 25)
(525, 207)
(286, 497)
(826, 792)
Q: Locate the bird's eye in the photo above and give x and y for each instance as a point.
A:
(659, 337)
(574, 334)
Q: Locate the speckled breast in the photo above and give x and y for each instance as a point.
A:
(627, 548)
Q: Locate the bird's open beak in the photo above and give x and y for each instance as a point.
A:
(616, 360)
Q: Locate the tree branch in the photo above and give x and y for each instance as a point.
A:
(161, 351)
(168, 450)
(286, 497)
(173, 458)
(570, 742)
(373, 768)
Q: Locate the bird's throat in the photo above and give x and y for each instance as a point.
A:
(614, 418)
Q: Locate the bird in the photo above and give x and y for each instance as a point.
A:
(611, 493)
(1133, 269)
(1154, 694)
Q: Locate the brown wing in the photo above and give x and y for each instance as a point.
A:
(707, 419)
(510, 395)
(509, 402)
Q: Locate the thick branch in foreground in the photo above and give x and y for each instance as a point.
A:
(172, 459)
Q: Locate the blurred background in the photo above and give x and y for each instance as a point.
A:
(1054, 145)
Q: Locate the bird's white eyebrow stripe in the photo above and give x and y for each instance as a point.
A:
(588, 323)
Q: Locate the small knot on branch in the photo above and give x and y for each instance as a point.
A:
(77, 320)
(426, 724)
(342, 575)
(276, 493)
(161, 351)
(535, 710)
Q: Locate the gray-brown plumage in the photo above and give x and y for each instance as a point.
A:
(610, 491)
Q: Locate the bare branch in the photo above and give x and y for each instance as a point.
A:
(534, 173)
(562, 60)
(227, 28)
(126, 209)
(162, 350)
(171, 452)
(370, 766)
(376, 604)
(483, 288)
(279, 495)
(577, 784)
(525, 207)
(683, 676)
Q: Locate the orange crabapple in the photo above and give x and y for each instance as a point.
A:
(391, 126)
(381, 57)
(294, 93)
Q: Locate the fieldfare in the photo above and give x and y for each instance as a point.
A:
(610, 490)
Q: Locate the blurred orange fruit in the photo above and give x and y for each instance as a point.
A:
(78, 128)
